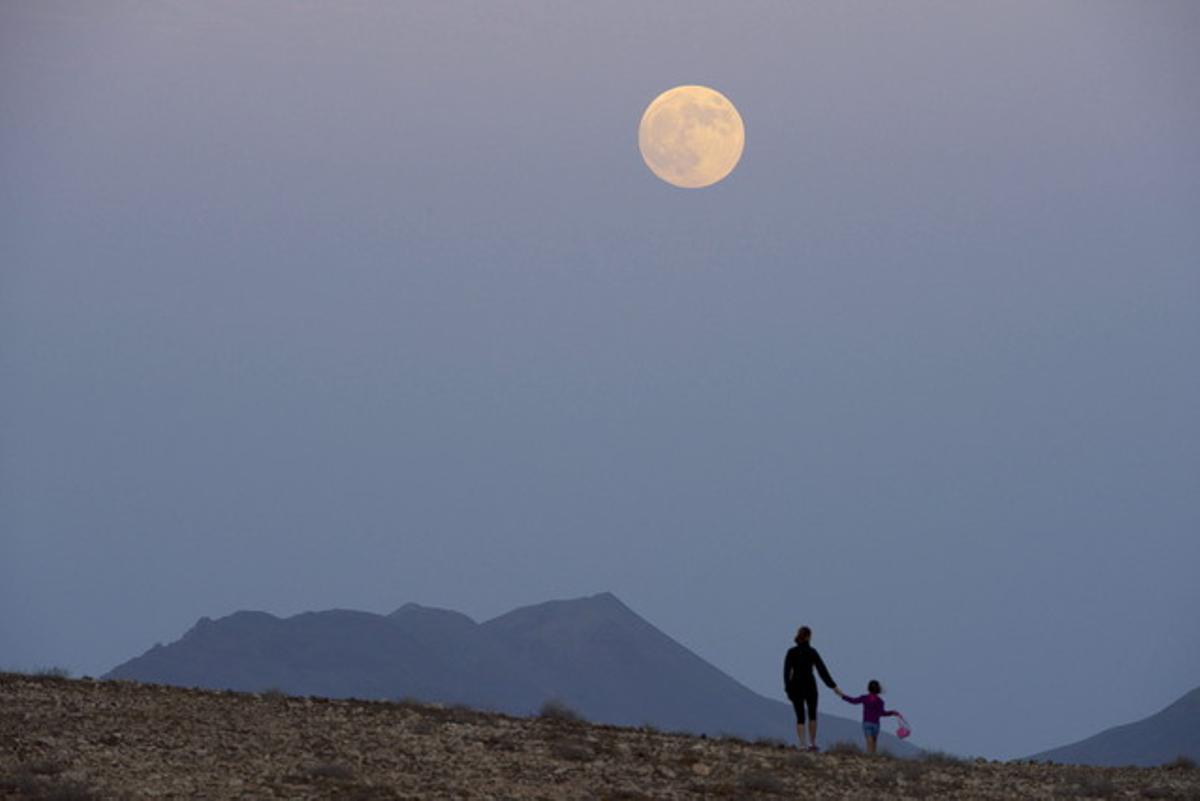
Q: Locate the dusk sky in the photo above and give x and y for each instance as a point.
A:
(310, 304)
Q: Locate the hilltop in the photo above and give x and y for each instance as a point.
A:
(113, 739)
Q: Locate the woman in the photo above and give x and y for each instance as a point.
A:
(801, 686)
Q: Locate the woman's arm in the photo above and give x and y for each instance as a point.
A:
(825, 677)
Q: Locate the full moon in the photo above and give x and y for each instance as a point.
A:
(691, 136)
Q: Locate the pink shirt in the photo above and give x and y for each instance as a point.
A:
(872, 706)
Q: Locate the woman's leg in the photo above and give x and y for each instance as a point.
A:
(811, 702)
(798, 706)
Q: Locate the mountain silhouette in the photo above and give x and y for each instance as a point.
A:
(594, 654)
(1155, 740)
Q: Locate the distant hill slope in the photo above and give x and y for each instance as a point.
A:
(1151, 741)
(594, 654)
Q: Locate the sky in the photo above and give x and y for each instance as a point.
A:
(309, 305)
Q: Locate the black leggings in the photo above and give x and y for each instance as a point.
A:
(805, 699)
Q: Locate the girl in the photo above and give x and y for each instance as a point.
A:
(873, 710)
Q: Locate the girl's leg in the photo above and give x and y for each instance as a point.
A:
(871, 745)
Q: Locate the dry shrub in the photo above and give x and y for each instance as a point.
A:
(804, 761)
(332, 771)
(47, 767)
(52, 673)
(38, 787)
(70, 791)
(423, 727)
(556, 710)
(21, 784)
(942, 759)
(572, 751)
(844, 748)
(1181, 762)
(461, 713)
(909, 770)
(365, 792)
(1086, 784)
(625, 794)
(760, 781)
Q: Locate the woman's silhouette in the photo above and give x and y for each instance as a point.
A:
(801, 686)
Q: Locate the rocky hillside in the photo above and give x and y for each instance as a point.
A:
(83, 739)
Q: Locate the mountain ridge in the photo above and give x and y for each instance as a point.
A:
(593, 653)
(1153, 740)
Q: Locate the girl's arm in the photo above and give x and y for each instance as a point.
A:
(858, 699)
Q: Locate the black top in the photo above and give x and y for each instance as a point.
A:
(798, 670)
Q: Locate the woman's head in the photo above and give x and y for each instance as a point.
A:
(803, 635)
(874, 687)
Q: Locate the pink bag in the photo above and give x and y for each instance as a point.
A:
(903, 730)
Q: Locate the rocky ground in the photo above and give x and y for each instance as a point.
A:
(83, 739)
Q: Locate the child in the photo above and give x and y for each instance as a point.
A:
(873, 710)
